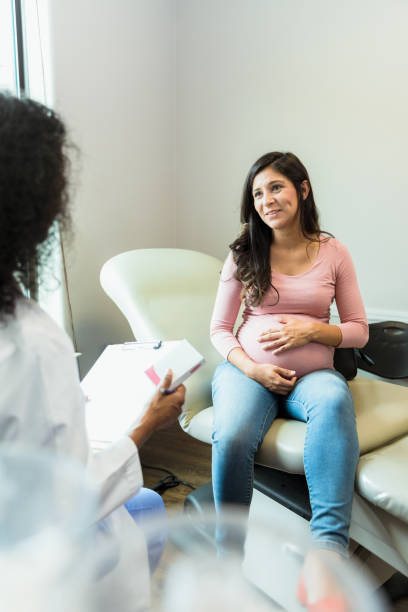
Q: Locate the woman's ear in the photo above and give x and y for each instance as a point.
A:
(305, 189)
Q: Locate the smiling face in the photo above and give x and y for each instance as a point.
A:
(276, 199)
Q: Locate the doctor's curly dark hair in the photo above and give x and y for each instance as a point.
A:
(33, 192)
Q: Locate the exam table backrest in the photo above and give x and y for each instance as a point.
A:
(169, 294)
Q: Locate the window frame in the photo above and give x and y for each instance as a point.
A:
(19, 56)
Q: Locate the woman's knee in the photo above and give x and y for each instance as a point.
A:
(152, 500)
(148, 511)
(332, 396)
(241, 432)
(339, 401)
(243, 411)
(224, 376)
(145, 504)
(234, 441)
(231, 387)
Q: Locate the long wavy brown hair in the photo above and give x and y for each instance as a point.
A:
(251, 250)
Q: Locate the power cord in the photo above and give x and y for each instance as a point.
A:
(168, 482)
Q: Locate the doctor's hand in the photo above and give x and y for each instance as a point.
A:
(163, 410)
(292, 333)
(276, 379)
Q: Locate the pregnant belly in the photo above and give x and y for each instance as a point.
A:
(303, 359)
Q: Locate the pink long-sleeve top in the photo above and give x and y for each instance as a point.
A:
(306, 296)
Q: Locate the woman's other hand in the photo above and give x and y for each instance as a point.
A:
(291, 334)
(276, 379)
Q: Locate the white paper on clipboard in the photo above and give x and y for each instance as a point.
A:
(118, 390)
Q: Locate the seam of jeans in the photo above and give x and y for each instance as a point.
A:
(311, 493)
(305, 406)
(305, 464)
(261, 429)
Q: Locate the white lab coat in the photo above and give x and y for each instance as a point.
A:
(42, 405)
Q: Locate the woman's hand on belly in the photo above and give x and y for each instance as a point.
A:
(276, 379)
(291, 334)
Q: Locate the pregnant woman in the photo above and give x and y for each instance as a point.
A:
(287, 273)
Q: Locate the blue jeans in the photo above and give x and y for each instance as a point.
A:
(146, 505)
(243, 412)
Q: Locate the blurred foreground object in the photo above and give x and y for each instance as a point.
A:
(193, 577)
(46, 507)
(52, 560)
(53, 557)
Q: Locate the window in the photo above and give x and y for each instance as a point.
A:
(24, 59)
(8, 66)
(36, 28)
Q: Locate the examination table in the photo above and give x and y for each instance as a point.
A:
(379, 524)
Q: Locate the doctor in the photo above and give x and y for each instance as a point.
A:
(41, 402)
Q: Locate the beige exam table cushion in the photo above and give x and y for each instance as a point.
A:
(381, 415)
(382, 478)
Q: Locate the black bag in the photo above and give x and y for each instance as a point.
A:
(345, 362)
(386, 352)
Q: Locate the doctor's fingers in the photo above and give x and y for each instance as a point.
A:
(174, 399)
(180, 394)
(166, 382)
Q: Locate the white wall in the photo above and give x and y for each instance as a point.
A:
(113, 76)
(321, 78)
